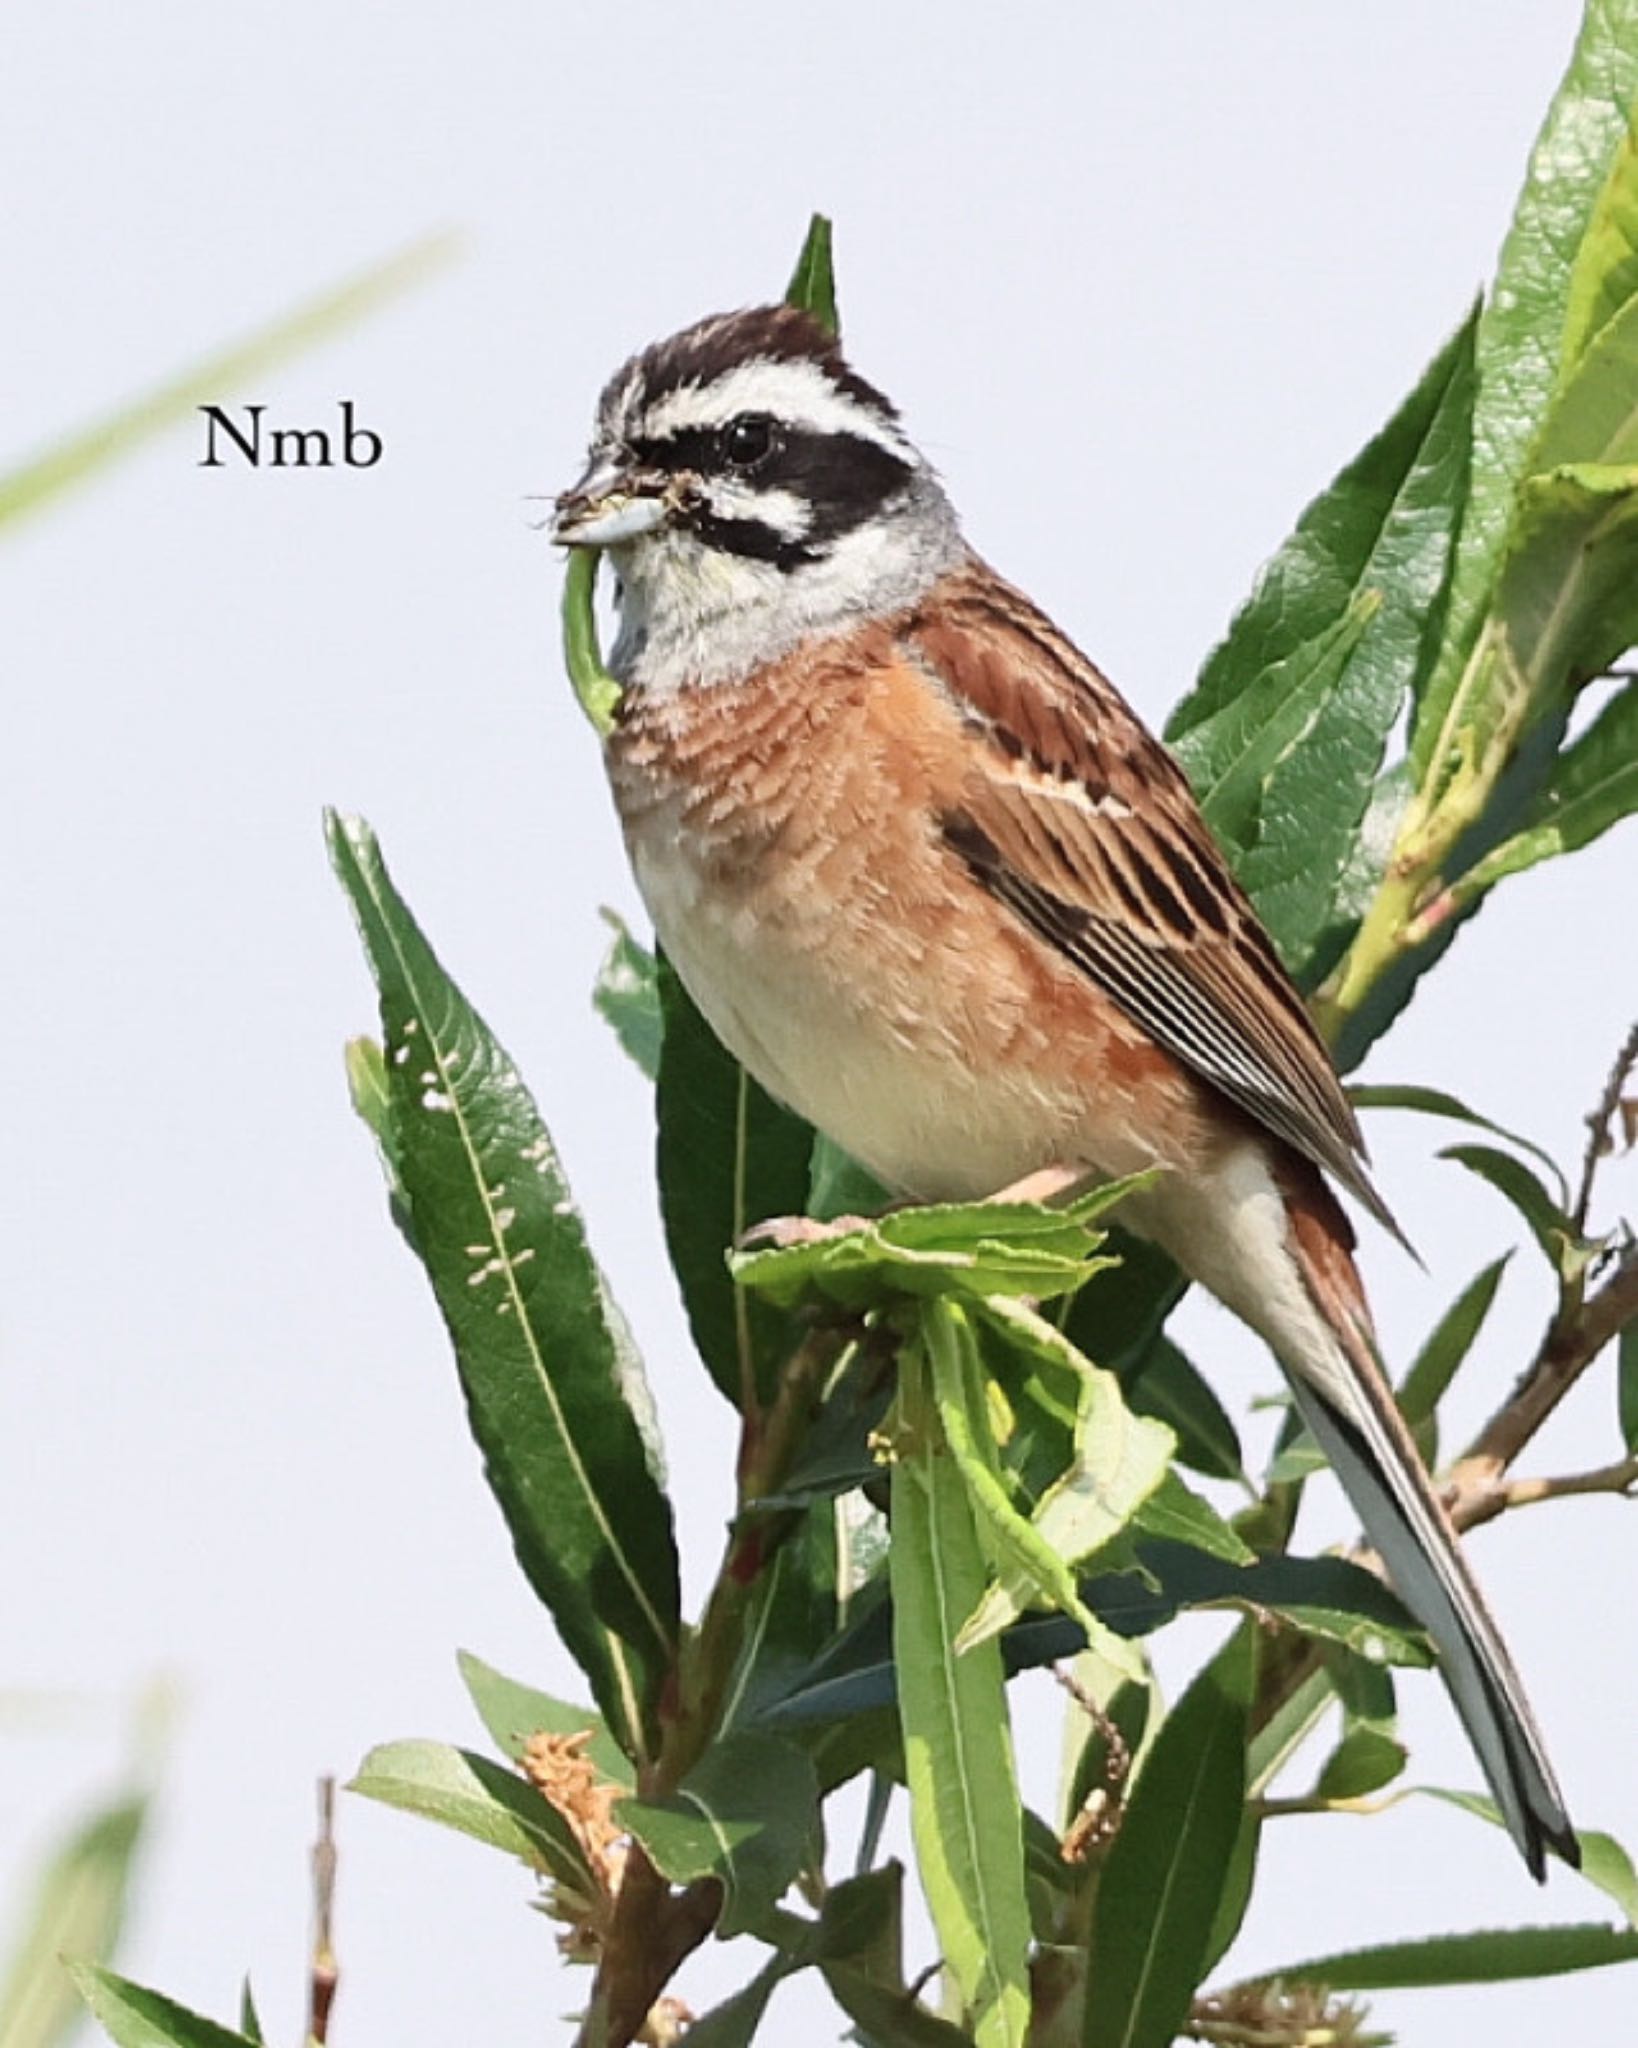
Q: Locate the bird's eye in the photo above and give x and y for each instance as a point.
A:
(748, 440)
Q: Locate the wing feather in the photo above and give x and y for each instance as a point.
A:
(1076, 818)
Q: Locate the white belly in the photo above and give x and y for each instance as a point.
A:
(882, 1070)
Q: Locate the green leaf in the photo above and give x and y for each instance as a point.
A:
(1591, 786)
(1496, 1956)
(1235, 1897)
(729, 1157)
(250, 2021)
(1527, 325)
(626, 995)
(1177, 1513)
(840, 1186)
(1118, 1461)
(76, 1905)
(1626, 1385)
(1379, 536)
(1436, 1102)
(512, 1713)
(138, 2018)
(746, 1814)
(1366, 1759)
(1604, 1862)
(971, 1249)
(553, 1386)
(1287, 1729)
(964, 1804)
(1157, 1901)
(1170, 1388)
(793, 1612)
(597, 692)
(1565, 606)
(1593, 418)
(1439, 1359)
(813, 281)
(479, 1798)
(1551, 1228)
(733, 2023)
(886, 2018)
(80, 455)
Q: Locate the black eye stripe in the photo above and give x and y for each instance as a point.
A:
(843, 480)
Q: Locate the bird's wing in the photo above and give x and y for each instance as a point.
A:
(1076, 818)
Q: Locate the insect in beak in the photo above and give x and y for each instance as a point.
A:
(610, 505)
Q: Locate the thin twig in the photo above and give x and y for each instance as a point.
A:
(324, 1975)
(1598, 1123)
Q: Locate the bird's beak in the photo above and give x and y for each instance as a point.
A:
(611, 504)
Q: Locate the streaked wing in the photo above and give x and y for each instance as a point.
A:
(1078, 820)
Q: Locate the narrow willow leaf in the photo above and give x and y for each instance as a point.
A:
(1436, 1102)
(1169, 1387)
(746, 1815)
(250, 2021)
(1384, 529)
(886, 2018)
(1235, 1897)
(813, 281)
(1527, 324)
(734, 2023)
(1158, 1896)
(553, 1385)
(1605, 276)
(75, 1906)
(626, 995)
(1177, 1513)
(1551, 1228)
(1591, 786)
(135, 2017)
(1604, 1863)
(1592, 418)
(793, 1612)
(729, 1157)
(81, 455)
(840, 1186)
(1286, 1730)
(1496, 1956)
(479, 1798)
(512, 1713)
(1626, 1386)
(1118, 1461)
(972, 1249)
(1565, 606)
(964, 1805)
(1439, 1359)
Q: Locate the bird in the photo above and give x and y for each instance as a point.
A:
(937, 888)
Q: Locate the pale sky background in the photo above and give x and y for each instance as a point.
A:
(1142, 278)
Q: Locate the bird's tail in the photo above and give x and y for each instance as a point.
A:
(1349, 1407)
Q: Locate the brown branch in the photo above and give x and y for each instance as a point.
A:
(324, 1975)
(655, 1930)
(1598, 1123)
(1572, 1341)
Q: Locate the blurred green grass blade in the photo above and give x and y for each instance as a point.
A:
(1494, 1956)
(1156, 1913)
(1527, 322)
(136, 2017)
(553, 1384)
(813, 281)
(75, 1908)
(33, 484)
(966, 1816)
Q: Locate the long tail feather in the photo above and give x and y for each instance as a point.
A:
(1347, 1403)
